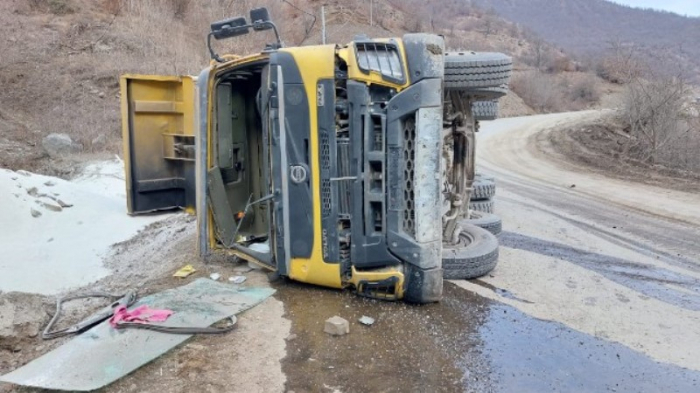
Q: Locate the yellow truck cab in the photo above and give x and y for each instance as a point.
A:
(321, 163)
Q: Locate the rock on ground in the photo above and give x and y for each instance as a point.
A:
(337, 326)
(57, 145)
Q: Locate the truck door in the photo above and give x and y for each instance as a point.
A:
(243, 200)
(159, 144)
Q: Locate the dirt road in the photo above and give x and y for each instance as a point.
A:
(608, 258)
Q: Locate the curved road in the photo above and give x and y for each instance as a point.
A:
(609, 258)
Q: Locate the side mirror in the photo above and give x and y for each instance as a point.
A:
(260, 18)
(228, 28)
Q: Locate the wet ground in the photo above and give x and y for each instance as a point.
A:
(467, 343)
(597, 289)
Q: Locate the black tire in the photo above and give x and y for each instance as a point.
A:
(485, 110)
(476, 254)
(476, 70)
(483, 188)
(488, 221)
(485, 206)
(488, 93)
(482, 176)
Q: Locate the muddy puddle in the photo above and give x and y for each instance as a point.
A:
(464, 344)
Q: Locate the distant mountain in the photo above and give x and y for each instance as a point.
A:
(586, 27)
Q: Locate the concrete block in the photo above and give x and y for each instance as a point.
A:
(337, 326)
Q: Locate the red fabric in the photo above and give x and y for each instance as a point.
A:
(141, 314)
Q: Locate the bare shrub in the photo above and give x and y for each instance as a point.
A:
(560, 63)
(539, 90)
(413, 23)
(584, 91)
(539, 55)
(56, 7)
(654, 118)
(657, 112)
(622, 63)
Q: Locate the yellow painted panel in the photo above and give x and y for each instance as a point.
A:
(377, 275)
(315, 63)
(158, 106)
(153, 106)
(373, 77)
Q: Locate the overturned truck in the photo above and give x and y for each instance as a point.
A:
(336, 165)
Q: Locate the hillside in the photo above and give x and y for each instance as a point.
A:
(61, 59)
(590, 27)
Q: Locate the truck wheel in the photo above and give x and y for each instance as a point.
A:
(475, 255)
(483, 188)
(485, 206)
(485, 110)
(482, 176)
(488, 221)
(488, 93)
(471, 70)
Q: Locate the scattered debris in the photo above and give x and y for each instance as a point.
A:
(337, 326)
(63, 204)
(242, 269)
(365, 320)
(35, 213)
(50, 206)
(292, 337)
(237, 279)
(90, 321)
(253, 266)
(184, 271)
(49, 183)
(215, 276)
(140, 314)
(572, 186)
(199, 304)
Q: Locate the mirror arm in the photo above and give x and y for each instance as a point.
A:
(213, 54)
(216, 57)
(274, 27)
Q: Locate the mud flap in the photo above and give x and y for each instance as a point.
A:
(423, 286)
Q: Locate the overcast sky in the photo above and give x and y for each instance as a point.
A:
(683, 7)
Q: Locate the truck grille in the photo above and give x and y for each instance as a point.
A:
(325, 154)
(409, 155)
(344, 170)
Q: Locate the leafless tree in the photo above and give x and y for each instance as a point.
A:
(623, 62)
(653, 112)
(539, 53)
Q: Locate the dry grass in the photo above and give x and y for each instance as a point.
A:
(548, 93)
(61, 59)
